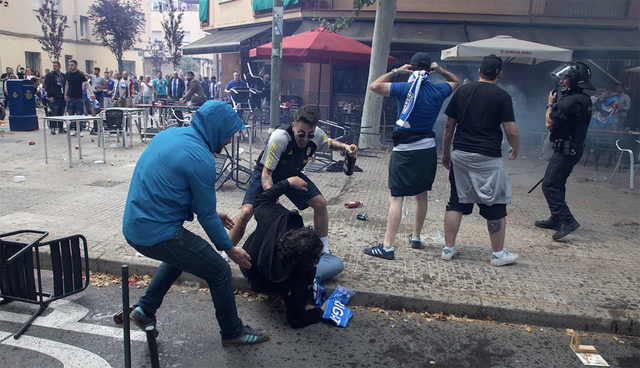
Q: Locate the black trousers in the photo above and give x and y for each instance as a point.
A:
(554, 185)
(57, 109)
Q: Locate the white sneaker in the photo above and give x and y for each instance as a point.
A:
(507, 258)
(73, 133)
(448, 254)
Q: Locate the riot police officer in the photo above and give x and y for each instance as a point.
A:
(567, 119)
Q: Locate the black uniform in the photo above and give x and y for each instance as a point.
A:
(571, 116)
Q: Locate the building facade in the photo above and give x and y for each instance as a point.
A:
(204, 64)
(20, 30)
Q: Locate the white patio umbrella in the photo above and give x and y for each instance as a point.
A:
(509, 49)
(633, 70)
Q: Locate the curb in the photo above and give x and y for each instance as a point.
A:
(603, 320)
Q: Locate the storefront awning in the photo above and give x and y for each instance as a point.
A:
(230, 40)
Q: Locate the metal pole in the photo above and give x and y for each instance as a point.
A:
(319, 85)
(126, 328)
(276, 63)
(153, 346)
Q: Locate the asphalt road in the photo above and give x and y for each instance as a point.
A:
(81, 333)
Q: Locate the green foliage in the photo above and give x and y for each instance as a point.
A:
(53, 26)
(189, 64)
(118, 24)
(157, 52)
(341, 23)
(173, 33)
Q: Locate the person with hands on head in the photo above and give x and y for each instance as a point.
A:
(284, 254)
(162, 197)
(287, 152)
(413, 163)
(477, 174)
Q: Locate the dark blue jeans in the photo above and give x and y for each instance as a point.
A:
(190, 253)
(75, 106)
(57, 109)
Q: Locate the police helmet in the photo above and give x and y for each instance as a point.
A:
(579, 74)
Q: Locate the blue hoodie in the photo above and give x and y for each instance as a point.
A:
(175, 178)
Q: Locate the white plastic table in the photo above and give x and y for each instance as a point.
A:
(67, 119)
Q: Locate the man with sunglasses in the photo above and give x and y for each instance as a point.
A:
(287, 152)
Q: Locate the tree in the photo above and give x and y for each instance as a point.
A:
(173, 33)
(189, 64)
(380, 47)
(118, 24)
(157, 52)
(345, 22)
(53, 26)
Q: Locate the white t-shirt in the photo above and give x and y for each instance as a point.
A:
(146, 91)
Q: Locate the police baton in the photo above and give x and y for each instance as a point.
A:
(535, 186)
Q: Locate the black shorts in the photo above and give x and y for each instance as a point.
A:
(298, 197)
(412, 172)
(493, 212)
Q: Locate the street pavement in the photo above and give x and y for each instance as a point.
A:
(80, 332)
(588, 281)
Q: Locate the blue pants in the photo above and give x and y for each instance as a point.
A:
(75, 106)
(190, 253)
(328, 267)
(57, 109)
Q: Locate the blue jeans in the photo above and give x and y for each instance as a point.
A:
(57, 109)
(190, 253)
(147, 100)
(329, 266)
(75, 106)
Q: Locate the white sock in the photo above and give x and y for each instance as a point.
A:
(498, 254)
(450, 249)
(388, 250)
(325, 244)
(414, 237)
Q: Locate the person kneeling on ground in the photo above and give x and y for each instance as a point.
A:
(284, 254)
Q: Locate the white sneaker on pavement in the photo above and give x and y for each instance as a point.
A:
(448, 254)
(506, 259)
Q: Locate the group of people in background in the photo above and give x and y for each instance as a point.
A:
(610, 108)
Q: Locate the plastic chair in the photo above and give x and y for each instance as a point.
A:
(17, 268)
(632, 148)
(113, 122)
(181, 118)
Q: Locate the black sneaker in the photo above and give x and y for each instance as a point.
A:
(378, 251)
(249, 336)
(566, 229)
(549, 223)
(53, 131)
(415, 244)
(138, 317)
(62, 131)
(93, 132)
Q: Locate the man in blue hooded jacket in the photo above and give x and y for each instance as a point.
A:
(173, 180)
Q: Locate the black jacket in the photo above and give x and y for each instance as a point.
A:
(571, 116)
(179, 90)
(268, 275)
(51, 85)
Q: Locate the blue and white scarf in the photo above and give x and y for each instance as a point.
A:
(416, 79)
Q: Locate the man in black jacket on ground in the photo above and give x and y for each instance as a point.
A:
(284, 254)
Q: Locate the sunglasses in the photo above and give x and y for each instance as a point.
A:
(301, 135)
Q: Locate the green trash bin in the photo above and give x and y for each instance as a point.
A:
(22, 105)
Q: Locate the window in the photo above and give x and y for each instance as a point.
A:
(32, 61)
(66, 61)
(88, 66)
(160, 5)
(187, 38)
(157, 35)
(84, 28)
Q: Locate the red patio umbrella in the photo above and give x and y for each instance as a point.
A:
(320, 47)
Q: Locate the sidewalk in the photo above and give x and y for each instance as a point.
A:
(588, 282)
